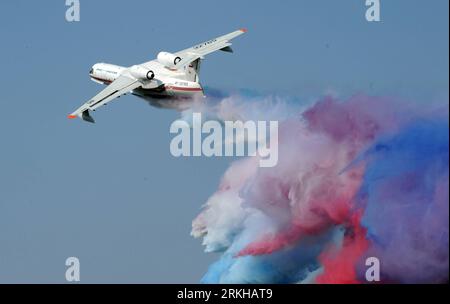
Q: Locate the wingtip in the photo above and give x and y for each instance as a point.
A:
(244, 30)
(70, 116)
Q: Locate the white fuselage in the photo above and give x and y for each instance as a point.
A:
(171, 83)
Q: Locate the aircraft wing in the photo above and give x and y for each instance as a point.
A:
(120, 86)
(221, 43)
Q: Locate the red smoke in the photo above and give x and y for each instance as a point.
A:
(339, 263)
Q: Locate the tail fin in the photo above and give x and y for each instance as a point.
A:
(193, 71)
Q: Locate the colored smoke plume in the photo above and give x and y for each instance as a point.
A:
(363, 177)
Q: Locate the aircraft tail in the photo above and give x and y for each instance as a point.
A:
(193, 71)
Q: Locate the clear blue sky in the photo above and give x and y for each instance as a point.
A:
(110, 193)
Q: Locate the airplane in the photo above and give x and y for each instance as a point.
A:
(168, 78)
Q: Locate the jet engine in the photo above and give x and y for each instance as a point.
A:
(142, 73)
(167, 59)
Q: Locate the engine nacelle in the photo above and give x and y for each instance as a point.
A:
(142, 73)
(167, 59)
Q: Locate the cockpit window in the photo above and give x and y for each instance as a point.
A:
(91, 71)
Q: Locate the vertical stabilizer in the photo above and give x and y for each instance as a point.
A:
(193, 71)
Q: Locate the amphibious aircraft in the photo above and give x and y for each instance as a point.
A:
(164, 81)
